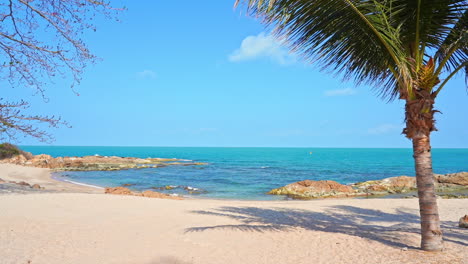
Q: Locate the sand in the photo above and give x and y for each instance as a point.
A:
(43, 177)
(97, 228)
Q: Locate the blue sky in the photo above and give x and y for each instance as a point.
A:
(204, 74)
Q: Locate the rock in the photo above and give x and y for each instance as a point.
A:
(23, 183)
(118, 190)
(398, 184)
(92, 163)
(148, 193)
(193, 190)
(401, 182)
(2, 181)
(453, 196)
(463, 222)
(127, 184)
(36, 186)
(151, 194)
(314, 189)
(460, 178)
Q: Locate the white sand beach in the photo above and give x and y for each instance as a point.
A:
(80, 228)
(43, 177)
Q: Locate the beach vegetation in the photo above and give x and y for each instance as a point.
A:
(406, 50)
(8, 150)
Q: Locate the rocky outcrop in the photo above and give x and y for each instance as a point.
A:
(314, 189)
(118, 190)
(445, 184)
(148, 193)
(459, 178)
(463, 222)
(22, 184)
(398, 184)
(454, 185)
(93, 163)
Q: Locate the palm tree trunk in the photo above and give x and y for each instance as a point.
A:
(431, 234)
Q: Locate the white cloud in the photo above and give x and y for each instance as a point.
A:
(146, 74)
(384, 129)
(262, 46)
(340, 92)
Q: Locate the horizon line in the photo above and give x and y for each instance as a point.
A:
(141, 146)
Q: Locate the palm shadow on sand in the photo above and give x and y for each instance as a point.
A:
(342, 219)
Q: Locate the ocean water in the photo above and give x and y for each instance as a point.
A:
(248, 173)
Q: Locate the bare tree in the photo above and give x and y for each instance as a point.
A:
(13, 122)
(39, 41)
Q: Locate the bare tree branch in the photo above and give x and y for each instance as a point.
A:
(39, 41)
(14, 122)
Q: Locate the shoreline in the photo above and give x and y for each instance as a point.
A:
(75, 182)
(46, 178)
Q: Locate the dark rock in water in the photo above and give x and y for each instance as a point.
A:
(193, 190)
(166, 188)
(188, 189)
(463, 222)
(127, 184)
(309, 189)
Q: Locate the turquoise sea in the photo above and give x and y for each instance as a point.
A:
(248, 173)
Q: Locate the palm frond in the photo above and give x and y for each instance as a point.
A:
(381, 42)
(453, 51)
(350, 37)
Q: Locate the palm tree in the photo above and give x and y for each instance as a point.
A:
(406, 49)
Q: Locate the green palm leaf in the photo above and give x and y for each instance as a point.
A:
(383, 43)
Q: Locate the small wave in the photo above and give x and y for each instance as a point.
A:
(79, 183)
(264, 167)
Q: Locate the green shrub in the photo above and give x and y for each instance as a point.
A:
(8, 150)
